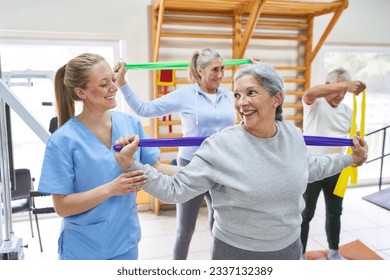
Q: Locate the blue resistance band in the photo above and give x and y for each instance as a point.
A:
(197, 141)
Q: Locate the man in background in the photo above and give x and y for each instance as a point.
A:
(326, 115)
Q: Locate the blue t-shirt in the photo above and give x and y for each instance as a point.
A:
(77, 161)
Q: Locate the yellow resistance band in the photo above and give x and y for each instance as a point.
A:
(350, 173)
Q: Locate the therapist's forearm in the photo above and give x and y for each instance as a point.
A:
(77, 203)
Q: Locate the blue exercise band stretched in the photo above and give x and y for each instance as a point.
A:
(197, 141)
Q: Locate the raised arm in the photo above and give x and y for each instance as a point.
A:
(125, 159)
(175, 188)
(162, 106)
(327, 165)
(310, 95)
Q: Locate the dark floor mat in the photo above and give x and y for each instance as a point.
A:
(380, 198)
(354, 250)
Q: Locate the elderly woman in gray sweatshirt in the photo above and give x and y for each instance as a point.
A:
(256, 173)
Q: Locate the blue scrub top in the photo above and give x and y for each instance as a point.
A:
(77, 161)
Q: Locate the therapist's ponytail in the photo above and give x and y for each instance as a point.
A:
(74, 74)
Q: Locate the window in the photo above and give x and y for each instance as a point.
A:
(28, 67)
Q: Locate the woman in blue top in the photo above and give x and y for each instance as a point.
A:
(205, 108)
(96, 199)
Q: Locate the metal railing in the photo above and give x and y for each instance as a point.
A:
(383, 155)
(9, 243)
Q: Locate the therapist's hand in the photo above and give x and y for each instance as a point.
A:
(130, 146)
(128, 182)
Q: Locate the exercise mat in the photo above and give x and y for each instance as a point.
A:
(380, 198)
(355, 250)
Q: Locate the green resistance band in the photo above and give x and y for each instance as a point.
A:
(179, 64)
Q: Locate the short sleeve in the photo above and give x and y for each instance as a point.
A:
(148, 155)
(57, 175)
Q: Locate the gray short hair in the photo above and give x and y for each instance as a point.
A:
(334, 75)
(267, 77)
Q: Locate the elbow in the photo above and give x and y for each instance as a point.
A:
(61, 210)
(60, 213)
(308, 98)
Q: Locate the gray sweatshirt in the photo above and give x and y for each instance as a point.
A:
(256, 184)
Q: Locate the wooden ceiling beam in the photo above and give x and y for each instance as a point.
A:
(254, 14)
(196, 35)
(198, 21)
(230, 8)
(158, 30)
(325, 34)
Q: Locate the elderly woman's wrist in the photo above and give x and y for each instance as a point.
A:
(136, 165)
(121, 82)
(129, 165)
(359, 160)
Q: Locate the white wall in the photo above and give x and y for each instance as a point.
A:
(127, 20)
(362, 23)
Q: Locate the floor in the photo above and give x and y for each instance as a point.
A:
(360, 220)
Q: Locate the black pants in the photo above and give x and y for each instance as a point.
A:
(334, 208)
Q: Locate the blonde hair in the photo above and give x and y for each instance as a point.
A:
(74, 74)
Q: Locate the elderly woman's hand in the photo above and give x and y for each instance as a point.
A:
(359, 151)
(125, 156)
(255, 59)
(119, 73)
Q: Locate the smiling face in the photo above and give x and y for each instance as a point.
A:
(212, 75)
(100, 90)
(256, 106)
